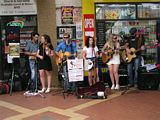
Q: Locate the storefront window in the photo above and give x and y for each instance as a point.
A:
(147, 10)
(27, 25)
(120, 18)
(115, 11)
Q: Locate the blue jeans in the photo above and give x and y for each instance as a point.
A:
(133, 70)
(33, 69)
(66, 84)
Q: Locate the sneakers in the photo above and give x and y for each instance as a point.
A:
(117, 87)
(42, 91)
(113, 87)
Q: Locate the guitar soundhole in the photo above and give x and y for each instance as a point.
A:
(132, 53)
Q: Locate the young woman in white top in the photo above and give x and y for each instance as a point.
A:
(113, 63)
(90, 52)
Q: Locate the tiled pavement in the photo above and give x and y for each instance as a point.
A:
(134, 105)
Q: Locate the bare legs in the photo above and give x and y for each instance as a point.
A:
(96, 76)
(42, 78)
(49, 77)
(113, 71)
(92, 80)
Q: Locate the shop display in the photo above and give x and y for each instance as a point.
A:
(120, 18)
(148, 10)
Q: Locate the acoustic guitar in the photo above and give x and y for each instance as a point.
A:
(62, 57)
(130, 56)
(106, 56)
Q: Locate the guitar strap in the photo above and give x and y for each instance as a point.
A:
(70, 45)
(139, 39)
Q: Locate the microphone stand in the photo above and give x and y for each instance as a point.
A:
(35, 92)
(64, 74)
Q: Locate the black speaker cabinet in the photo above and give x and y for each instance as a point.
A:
(148, 80)
(123, 76)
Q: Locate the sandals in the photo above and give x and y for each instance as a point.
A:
(48, 90)
(42, 91)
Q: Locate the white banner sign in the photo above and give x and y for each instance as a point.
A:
(18, 7)
(75, 70)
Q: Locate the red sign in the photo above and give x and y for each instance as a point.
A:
(88, 25)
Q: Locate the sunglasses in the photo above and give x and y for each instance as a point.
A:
(115, 37)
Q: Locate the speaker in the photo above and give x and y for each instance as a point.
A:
(148, 80)
(123, 76)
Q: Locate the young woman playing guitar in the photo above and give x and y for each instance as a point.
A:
(113, 63)
(90, 52)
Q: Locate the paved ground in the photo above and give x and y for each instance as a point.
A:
(133, 105)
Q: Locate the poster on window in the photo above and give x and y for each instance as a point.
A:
(14, 50)
(77, 15)
(67, 14)
(79, 30)
(71, 30)
(116, 12)
(75, 70)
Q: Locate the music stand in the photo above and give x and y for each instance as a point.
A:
(66, 68)
(14, 52)
(75, 69)
(12, 77)
(62, 77)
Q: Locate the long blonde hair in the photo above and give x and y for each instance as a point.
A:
(111, 44)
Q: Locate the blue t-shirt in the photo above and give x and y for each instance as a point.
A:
(71, 47)
(31, 47)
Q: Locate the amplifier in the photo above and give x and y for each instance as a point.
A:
(123, 76)
(148, 80)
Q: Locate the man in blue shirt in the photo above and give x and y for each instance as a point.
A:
(31, 51)
(68, 50)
